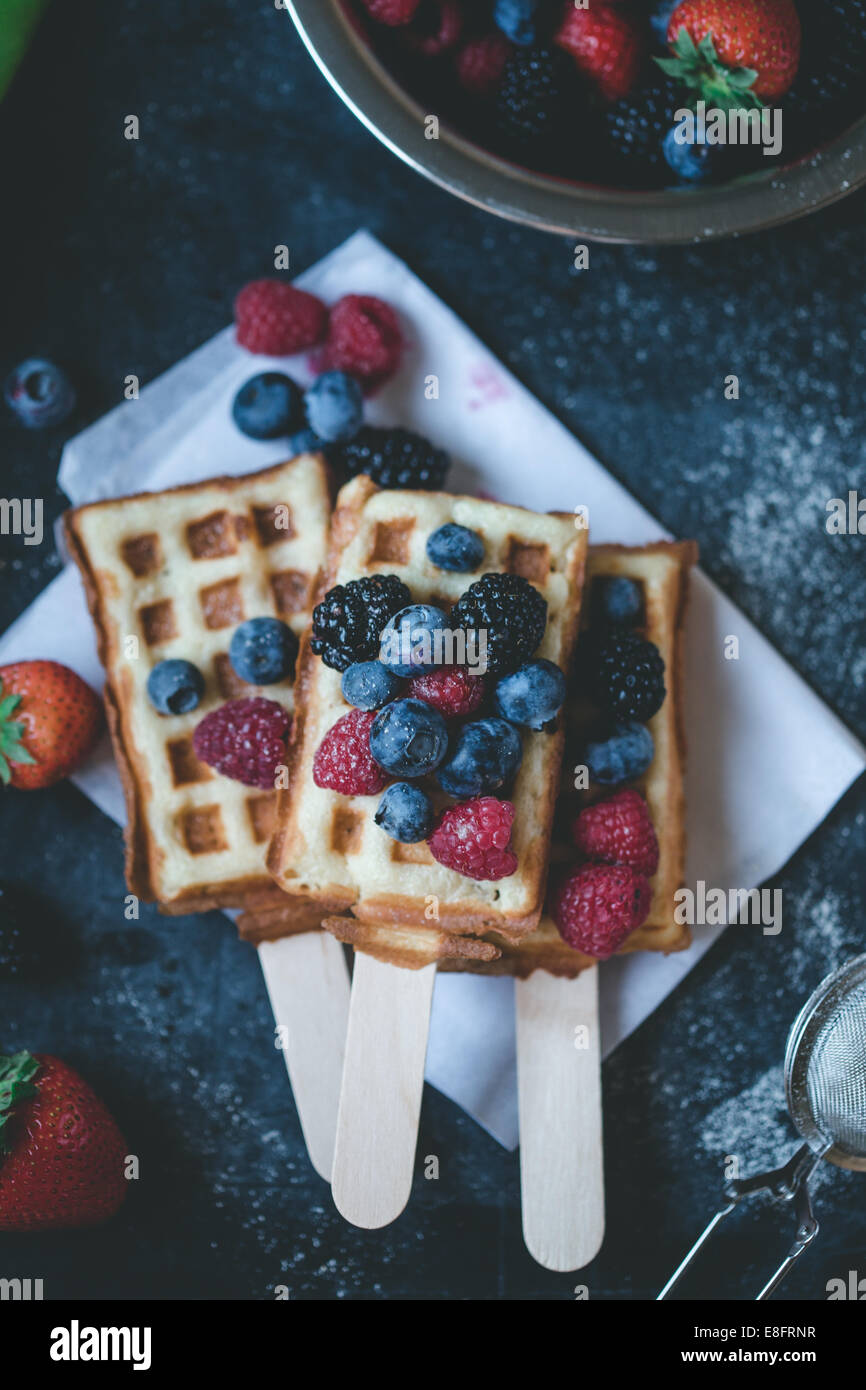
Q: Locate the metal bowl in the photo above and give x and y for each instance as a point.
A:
(750, 204)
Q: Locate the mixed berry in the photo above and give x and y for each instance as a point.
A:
(348, 623)
(344, 762)
(484, 757)
(355, 347)
(268, 406)
(510, 611)
(405, 813)
(244, 740)
(413, 713)
(455, 548)
(370, 685)
(607, 894)
(597, 906)
(175, 687)
(474, 839)
(39, 393)
(531, 695)
(591, 92)
(263, 651)
(408, 738)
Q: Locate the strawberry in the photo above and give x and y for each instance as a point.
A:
(49, 722)
(734, 53)
(61, 1154)
(606, 44)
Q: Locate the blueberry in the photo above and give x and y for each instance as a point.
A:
(692, 162)
(409, 642)
(405, 813)
(335, 406)
(660, 18)
(532, 695)
(369, 685)
(516, 19)
(267, 406)
(622, 755)
(39, 393)
(408, 738)
(263, 651)
(484, 757)
(304, 442)
(620, 600)
(175, 687)
(455, 548)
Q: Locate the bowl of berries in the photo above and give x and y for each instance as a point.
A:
(615, 120)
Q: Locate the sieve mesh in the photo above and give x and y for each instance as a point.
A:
(836, 1073)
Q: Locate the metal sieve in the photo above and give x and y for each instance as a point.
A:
(825, 1086)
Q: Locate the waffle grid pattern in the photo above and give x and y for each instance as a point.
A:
(176, 572)
(356, 864)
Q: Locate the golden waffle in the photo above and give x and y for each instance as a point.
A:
(663, 572)
(348, 862)
(172, 574)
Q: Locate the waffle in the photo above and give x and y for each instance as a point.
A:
(663, 571)
(177, 571)
(348, 862)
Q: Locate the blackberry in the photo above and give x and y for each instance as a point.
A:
(628, 676)
(531, 102)
(347, 624)
(393, 458)
(511, 613)
(635, 129)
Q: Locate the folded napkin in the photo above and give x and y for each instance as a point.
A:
(767, 759)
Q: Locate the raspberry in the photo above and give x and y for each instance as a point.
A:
(618, 830)
(245, 740)
(474, 839)
(364, 339)
(439, 28)
(278, 319)
(450, 689)
(510, 612)
(481, 63)
(343, 761)
(391, 12)
(598, 905)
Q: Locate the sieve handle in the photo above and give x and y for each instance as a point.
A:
(807, 1229)
(789, 1183)
(698, 1246)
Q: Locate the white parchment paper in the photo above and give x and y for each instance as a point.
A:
(767, 759)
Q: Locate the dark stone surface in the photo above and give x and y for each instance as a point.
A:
(121, 257)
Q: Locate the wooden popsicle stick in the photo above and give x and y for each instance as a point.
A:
(308, 984)
(559, 1107)
(380, 1103)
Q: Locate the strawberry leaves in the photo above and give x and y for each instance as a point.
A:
(12, 750)
(16, 1084)
(698, 67)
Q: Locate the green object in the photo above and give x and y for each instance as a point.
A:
(12, 750)
(699, 68)
(18, 19)
(16, 1084)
